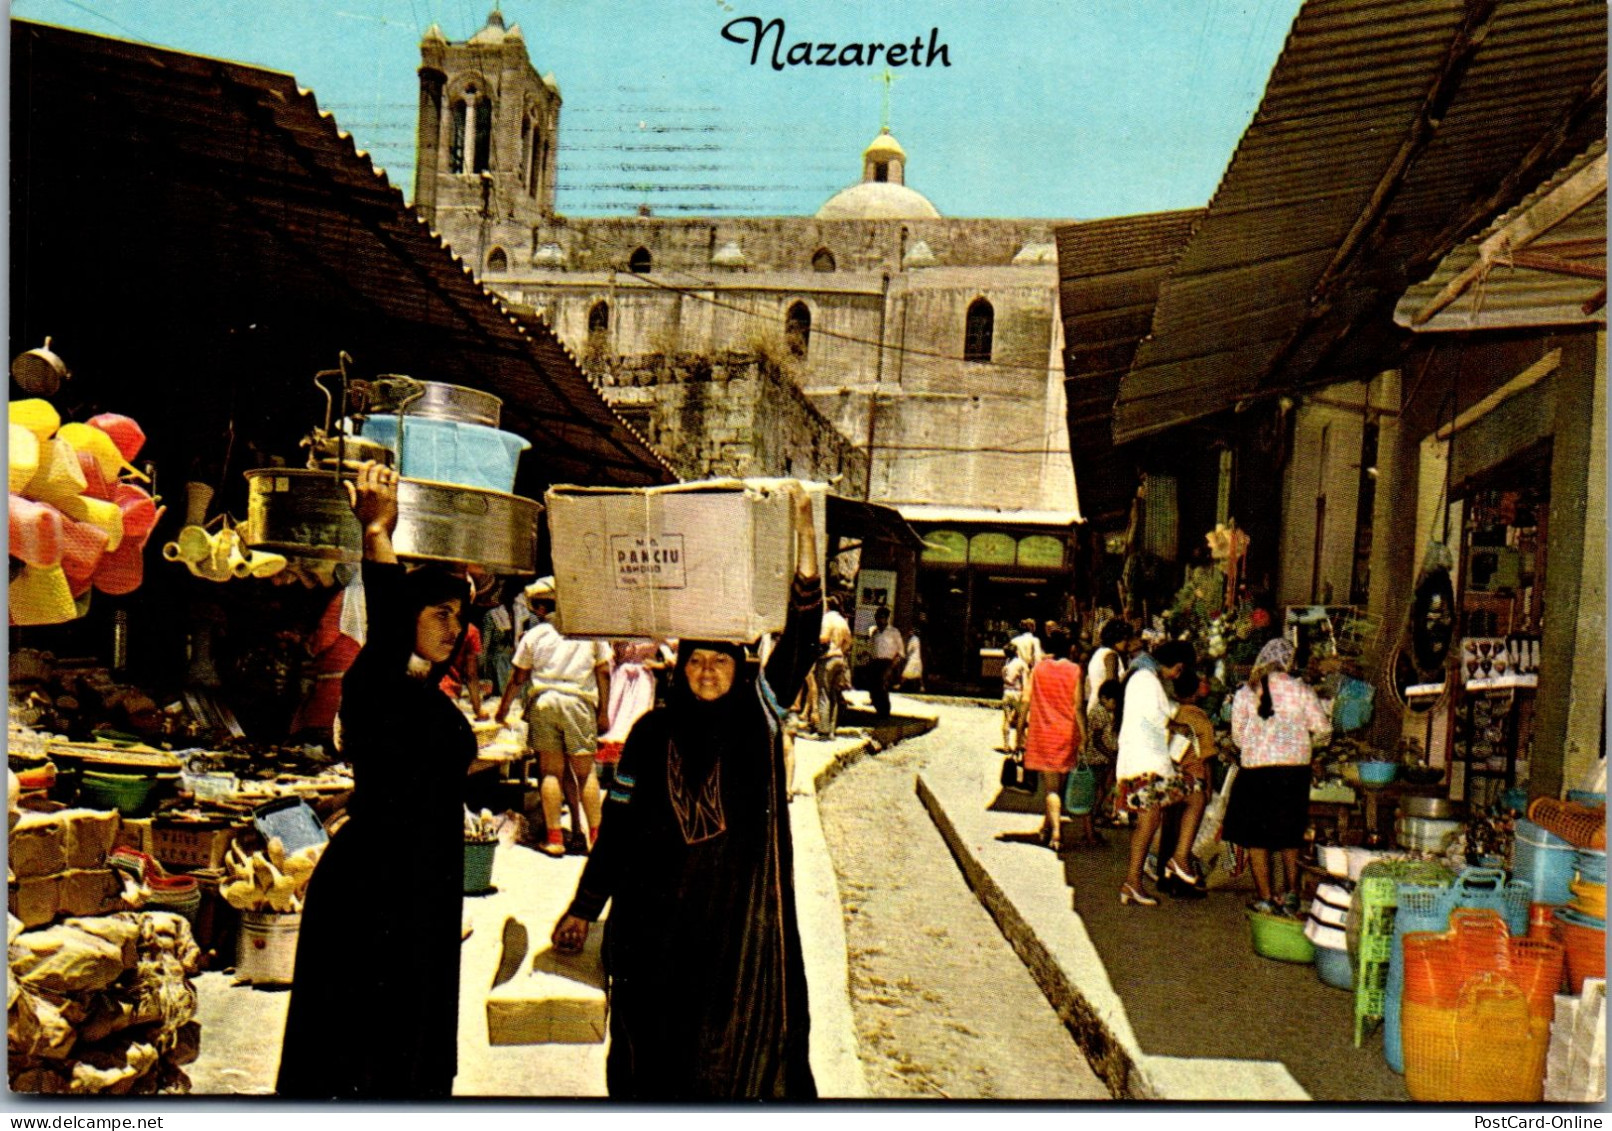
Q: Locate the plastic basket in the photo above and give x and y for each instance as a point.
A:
(1578, 824)
(1432, 976)
(1544, 860)
(1537, 966)
(1482, 942)
(1432, 1060)
(452, 451)
(1280, 938)
(1500, 1049)
(1488, 888)
(129, 794)
(1585, 946)
(1380, 911)
(479, 866)
(1080, 793)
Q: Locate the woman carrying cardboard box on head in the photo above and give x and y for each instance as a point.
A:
(707, 986)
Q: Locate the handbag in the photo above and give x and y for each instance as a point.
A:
(1080, 792)
(1015, 776)
(1206, 845)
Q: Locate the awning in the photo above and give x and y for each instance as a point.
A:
(871, 522)
(1541, 264)
(1389, 131)
(215, 194)
(931, 515)
(1109, 272)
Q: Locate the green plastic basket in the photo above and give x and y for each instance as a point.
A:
(1280, 938)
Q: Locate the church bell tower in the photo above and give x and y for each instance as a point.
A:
(487, 139)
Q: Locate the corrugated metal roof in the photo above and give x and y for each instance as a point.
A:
(1389, 130)
(1505, 290)
(1109, 273)
(227, 188)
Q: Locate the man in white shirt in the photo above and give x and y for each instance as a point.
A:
(565, 715)
(833, 668)
(889, 649)
(1027, 643)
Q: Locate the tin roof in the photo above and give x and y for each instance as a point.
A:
(1389, 131)
(225, 190)
(1109, 273)
(1541, 264)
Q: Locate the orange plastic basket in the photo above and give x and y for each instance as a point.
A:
(1536, 970)
(1586, 952)
(1428, 1037)
(1481, 942)
(1432, 977)
(1579, 825)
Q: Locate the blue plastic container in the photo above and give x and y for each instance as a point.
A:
(1332, 967)
(1545, 860)
(450, 451)
(1587, 797)
(1377, 773)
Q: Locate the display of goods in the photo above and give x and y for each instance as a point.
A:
(1537, 966)
(75, 524)
(1579, 825)
(103, 1005)
(269, 881)
(1590, 898)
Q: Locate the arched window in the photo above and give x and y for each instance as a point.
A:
(639, 262)
(823, 260)
(977, 331)
(599, 317)
(497, 261)
(881, 171)
(456, 136)
(798, 329)
(484, 135)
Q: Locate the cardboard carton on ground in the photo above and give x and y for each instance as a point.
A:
(712, 560)
(91, 834)
(555, 999)
(38, 846)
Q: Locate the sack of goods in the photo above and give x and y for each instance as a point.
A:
(712, 560)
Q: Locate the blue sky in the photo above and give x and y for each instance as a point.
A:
(1050, 108)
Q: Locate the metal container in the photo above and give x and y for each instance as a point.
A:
(1440, 808)
(303, 512)
(1425, 834)
(437, 401)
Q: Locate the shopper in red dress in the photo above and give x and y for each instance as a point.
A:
(1057, 712)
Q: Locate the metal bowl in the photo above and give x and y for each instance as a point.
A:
(439, 401)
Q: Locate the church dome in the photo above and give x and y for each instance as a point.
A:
(878, 200)
(883, 193)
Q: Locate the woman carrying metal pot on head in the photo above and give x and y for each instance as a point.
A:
(374, 1010)
(707, 987)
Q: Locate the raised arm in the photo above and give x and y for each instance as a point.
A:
(796, 650)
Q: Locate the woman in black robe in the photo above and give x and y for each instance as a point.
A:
(707, 989)
(374, 1005)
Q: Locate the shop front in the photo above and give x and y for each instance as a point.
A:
(980, 575)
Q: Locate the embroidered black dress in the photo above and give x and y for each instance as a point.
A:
(374, 1006)
(707, 986)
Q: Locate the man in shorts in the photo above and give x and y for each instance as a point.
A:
(565, 714)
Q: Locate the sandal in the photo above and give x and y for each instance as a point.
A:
(1129, 895)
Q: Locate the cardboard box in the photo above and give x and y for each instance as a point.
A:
(190, 844)
(712, 560)
(33, 900)
(89, 891)
(559, 999)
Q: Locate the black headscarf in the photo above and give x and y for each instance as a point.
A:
(705, 734)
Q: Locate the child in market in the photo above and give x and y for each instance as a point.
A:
(1102, 745)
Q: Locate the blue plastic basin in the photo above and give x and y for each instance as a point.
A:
(450, 451)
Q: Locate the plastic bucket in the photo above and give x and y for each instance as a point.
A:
(1585, 944)
(1591, 865)
(479, 866)
(1332, 967)
(1545, 860)
(1280, 938)
(266, 952)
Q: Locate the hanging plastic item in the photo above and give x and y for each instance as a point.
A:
(22, 458)
(83, 547)
(38, 416)
(122, 570)
(58, 477)
(140, 510)
(98, 512)
(125, 433)
(88, 438)
(96, 485)
(41, 596)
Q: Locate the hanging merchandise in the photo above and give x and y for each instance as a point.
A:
(75, 521)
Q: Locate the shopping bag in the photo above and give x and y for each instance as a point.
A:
(1206, 845)
(1080, 792)
(1015, 776)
